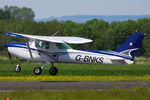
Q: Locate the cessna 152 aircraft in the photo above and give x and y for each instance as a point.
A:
(54, 49)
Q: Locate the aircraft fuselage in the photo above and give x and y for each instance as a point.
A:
(67, 56)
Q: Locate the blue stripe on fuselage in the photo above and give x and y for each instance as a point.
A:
(112, 53)
(21, 45)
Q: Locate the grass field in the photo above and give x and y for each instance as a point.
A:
(136, 93)
(78, 72)
(81, 72)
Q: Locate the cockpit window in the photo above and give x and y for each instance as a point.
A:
(42, 44)
(63, 46)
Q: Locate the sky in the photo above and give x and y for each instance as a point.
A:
(57, 8)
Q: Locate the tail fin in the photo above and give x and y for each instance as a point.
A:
(131, 46)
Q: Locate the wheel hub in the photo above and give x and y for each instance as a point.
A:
(37, 70)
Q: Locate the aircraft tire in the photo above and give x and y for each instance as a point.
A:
(37, 71)
(17, 68)
(53, 70)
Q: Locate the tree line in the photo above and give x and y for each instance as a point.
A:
(16, 13)
(105, 36)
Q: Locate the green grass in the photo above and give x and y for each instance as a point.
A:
(138, 69)
(137, 93)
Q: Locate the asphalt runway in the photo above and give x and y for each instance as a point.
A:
(67, 85)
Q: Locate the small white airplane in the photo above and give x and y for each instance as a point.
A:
(54, 49)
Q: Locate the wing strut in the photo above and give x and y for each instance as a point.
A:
(29, 50)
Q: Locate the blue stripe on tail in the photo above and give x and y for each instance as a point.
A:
(132, 44)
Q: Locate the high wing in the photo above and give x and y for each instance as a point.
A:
(55, 39)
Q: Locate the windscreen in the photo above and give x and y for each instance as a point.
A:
(63, 46)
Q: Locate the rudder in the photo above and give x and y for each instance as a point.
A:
(132, 44)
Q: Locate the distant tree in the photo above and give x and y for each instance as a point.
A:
(68, 27)
(4, 14)
(52, 27)
(97, 30)
(144, 26)
(122, 31)
(20, 13)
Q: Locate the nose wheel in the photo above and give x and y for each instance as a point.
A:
(17, 68)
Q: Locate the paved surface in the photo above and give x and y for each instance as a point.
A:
(58, 85)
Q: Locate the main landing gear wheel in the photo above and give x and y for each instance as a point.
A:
(53, 70)
(17, 68)
(37, 71)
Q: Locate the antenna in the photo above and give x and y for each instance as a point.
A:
(55, 33)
